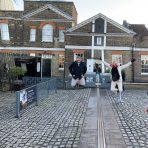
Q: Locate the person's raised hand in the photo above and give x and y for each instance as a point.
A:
(133, 60)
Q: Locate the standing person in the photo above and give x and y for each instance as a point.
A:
(97, 69)
(77, 70)
(116, 83)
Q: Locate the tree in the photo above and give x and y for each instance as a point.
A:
(16, 71)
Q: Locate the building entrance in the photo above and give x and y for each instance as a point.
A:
(46, 68)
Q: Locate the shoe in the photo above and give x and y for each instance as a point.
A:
(118, 101)
(122, 101)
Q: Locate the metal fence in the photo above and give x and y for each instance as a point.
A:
(91, 80)
(30, 81)
(33, 94)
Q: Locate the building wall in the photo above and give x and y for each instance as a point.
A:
(85, 29)
(115, 42)
(19, 29)
(113, 29)
(119, 41)
(78, 40)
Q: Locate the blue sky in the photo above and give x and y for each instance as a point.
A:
(134, 11)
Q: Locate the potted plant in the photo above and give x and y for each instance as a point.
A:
(16, 71)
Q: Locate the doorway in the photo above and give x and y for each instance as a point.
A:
(46, 68)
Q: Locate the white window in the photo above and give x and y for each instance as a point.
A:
(61, 62)
(144, 64)
(98, 41)
(32, 35)
(61, 36)
(117, 58)
(47, 33)
(4, 32)
(78, 54)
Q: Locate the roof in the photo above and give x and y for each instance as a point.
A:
(48, 6)
(103, 17)
(52, 0)
(140, 29)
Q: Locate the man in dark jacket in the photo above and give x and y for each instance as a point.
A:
(77, 70)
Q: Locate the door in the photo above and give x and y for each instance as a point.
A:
(46, 68)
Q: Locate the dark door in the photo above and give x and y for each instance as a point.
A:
(46, 68)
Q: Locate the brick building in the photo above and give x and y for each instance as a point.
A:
(99, 36)
(34, 39)
(35, 36)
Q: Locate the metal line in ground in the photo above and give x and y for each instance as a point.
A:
(101, 138)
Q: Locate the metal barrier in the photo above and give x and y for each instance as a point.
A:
(91, 80)
(29, 81)
(34, 93)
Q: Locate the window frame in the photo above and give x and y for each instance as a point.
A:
(61, 36)
(61, 60)
(115, 57)
(32, 35)
(98, 40)
(47, 33)
(4, 29)
(144, 57)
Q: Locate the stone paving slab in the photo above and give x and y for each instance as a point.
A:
(112, 133)
(55, 123)
(89, 135)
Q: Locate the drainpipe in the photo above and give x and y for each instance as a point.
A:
(133, 72)
(92, 44)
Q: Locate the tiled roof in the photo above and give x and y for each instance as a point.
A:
(140, 29)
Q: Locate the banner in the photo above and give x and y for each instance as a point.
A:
(90, 65)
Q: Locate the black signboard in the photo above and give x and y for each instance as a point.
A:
(31, 94)
(28, 96)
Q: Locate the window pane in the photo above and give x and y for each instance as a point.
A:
(32, 35)
(144, 63)
(61, 61)
(117, 59)
(4, 32)
(98, 40)
(47, 33)
(61, 36)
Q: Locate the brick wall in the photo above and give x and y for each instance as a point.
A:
(78, 40)
(119, 41)
(113, 29)
(86, 28)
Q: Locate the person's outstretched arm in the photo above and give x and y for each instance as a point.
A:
(128, 64)
(104, 62)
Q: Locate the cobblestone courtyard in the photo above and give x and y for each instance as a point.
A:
(58, 120)
(132, 118)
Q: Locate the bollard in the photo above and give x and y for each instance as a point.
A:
(17, 104)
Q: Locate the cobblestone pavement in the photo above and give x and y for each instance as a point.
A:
(55, 123)
(132, 118)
